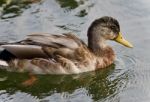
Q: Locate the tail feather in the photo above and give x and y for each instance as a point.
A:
(3, 63)
(3, 43)
(6, 55)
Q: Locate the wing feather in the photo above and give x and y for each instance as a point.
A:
(45, 45)
(25, 51)
(53, 40)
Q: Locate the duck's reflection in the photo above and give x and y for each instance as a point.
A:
(99, 84)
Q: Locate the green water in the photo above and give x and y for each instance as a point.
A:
(127, 80)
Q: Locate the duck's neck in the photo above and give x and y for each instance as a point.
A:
(96, 45)
(105, 54)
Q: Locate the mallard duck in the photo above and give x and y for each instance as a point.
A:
(65, 53)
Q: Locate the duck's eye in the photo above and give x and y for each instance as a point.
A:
(113, 27)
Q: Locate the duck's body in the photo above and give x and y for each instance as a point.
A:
(63, 54)
(55, 54)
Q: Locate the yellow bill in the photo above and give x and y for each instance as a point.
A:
(122, 41)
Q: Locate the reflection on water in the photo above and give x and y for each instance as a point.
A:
(126, 81)
(13, 8)
(91, 86)
(71, 4)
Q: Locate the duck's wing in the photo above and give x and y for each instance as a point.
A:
(44, 45)
(64, 40)
(23, 51)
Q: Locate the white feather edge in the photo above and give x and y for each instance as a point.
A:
(3, 63)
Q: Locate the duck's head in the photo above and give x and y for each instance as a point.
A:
(106, 28)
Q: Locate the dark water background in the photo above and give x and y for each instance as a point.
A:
(128, 80)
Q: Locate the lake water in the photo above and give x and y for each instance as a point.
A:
(128, 80)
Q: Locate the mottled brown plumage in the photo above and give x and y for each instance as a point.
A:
(63, 54)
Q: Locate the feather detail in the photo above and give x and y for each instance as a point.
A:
(3, 63)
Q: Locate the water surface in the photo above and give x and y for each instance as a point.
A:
(127, 80)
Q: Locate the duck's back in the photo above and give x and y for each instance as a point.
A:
(42, 45)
